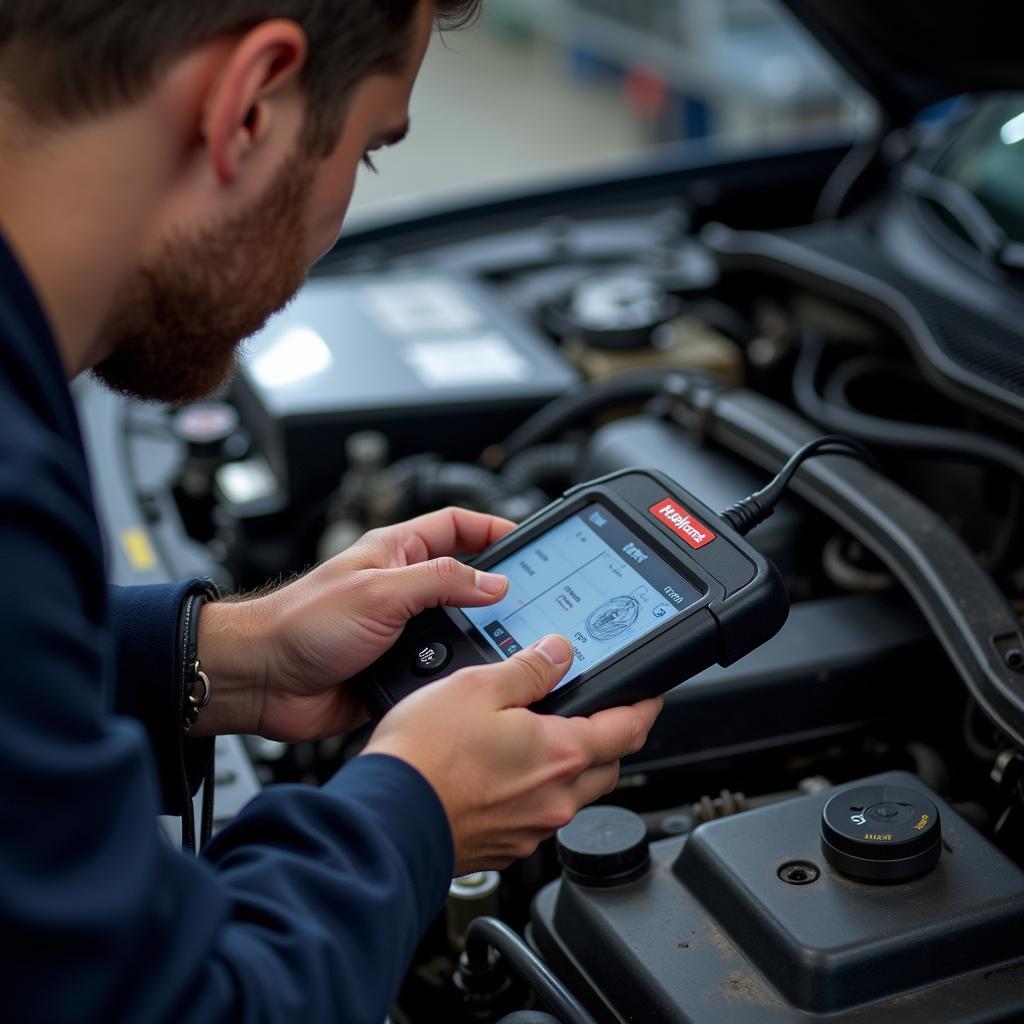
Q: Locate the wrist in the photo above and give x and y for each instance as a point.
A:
(232, 641)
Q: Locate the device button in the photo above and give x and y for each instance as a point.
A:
(431, 658)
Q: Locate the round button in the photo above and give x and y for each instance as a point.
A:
(604, 846)
(430, 658)
(881, 833)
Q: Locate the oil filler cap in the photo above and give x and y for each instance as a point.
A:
(604, 846)
(881, 833)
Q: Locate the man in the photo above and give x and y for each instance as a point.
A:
(168, 172)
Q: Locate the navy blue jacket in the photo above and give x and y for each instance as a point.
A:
(306, 908)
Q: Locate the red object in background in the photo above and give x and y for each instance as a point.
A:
(646, 92)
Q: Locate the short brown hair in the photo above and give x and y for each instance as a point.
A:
(64, 59)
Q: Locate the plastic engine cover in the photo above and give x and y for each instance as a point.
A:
(712, 932)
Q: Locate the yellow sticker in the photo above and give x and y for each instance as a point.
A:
(138, 549)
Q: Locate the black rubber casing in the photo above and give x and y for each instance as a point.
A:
(743, 603)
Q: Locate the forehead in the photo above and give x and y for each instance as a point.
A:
(386, 95)
(422, 30)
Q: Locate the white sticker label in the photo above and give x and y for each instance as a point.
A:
(478, 359)
(433, 306)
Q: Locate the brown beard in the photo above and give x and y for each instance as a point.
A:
(176, 329)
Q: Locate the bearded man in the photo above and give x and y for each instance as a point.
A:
(168, 172)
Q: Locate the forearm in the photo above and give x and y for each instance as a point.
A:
(232, 649)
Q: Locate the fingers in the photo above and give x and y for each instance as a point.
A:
(618, 732)
(440, 581)
(532, 673)
(449, 531)
(594, 783)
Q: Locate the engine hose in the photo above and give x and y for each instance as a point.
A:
(835, 389)
(970, 617)
(487, 932)
(892, 433)
(422, 483)
(959, 445)
(836, 393)
(584, 402)
(547, 466)
(456, 483)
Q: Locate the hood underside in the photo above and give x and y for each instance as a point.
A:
(910, 54)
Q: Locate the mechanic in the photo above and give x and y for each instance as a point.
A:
(168, 172)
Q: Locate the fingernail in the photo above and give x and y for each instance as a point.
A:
(490, 582)
(555, 648)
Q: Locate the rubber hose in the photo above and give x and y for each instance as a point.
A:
(835, 392)
(585, 401)
(915, 437)
(893, 433)
(548, 466)
(487, 932)
(456, 483)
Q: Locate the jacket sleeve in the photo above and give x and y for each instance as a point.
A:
(306, 909)
(145, 624)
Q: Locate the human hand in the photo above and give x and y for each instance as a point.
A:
(507, 776)
(278, 662)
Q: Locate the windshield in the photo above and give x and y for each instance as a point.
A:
(987, 159)
(542, 90)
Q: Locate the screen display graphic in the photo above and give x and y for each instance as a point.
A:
(590, 579)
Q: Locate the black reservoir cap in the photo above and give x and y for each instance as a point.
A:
(881, 833)
(604, 846)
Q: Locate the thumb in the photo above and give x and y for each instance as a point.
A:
(444, 581)
(533, 672)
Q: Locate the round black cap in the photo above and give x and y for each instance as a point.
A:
(881, 833)
(604, 846)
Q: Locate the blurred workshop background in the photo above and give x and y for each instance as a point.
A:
(541, 89)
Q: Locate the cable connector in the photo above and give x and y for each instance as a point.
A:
(757, 507)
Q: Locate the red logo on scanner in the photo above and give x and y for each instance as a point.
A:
(692, 530)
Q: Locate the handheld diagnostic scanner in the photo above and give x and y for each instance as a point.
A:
(649, 585)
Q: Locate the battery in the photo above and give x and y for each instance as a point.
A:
(435, 362)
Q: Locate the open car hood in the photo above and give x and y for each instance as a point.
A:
(910, 54)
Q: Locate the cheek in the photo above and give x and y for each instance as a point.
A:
(330, 198)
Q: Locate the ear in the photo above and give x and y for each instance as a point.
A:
(245, 104)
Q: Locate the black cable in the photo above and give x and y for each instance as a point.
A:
(757, 507)
(206, 818)
(836, 386)
(835, 391)
(849, 172)
(422, 483)
(586, 400)
(944, 442)
(487, 932)
(548, 466)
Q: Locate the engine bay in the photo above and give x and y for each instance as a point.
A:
(704, 321)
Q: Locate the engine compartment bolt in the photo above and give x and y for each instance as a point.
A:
(799, 872)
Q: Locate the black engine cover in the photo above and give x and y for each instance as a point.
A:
(712, 932)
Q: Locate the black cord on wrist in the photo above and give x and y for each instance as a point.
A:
(196, 686)
(195, 692)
